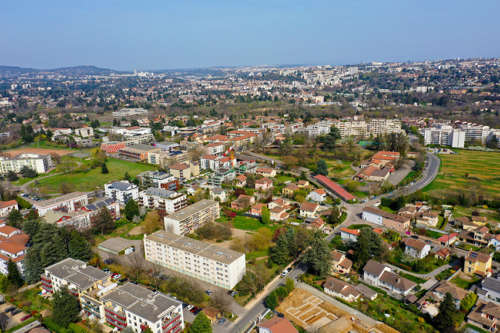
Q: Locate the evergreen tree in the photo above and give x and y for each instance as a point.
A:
(271, 301)
(468, 302)
(66, 308)
(318, 255)
(369, 246)
(103, 223)
(31, 227)
(446, 319)
(322, 168)
(201, 324)
(13, 275)
(32, 266)
(266, 215)
(131, 209)
(279, 253)
(12, 176)
(78, 247)
(291, 238)
(53, 251)
(32, 215)
(15, 218)
(44, 234)
(104, 168)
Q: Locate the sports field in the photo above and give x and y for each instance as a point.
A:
(42, 151)
(90, 180)
(468, 171)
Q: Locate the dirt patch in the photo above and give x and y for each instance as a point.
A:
(41, 151)
(136, 231)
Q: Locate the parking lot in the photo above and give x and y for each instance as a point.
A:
(16, 316)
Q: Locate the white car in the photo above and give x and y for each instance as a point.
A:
(285, 272)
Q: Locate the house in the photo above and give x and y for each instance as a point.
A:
(243, 202)
(391, 221)
(256, 210)
(241, 181)
(340, 289)
(382, 276)
(495, 242)
(340, 264)
(416, 248)
(316, 224)
(12, 247)
(447, 240)
(478, 263)
(374, 173)
(218, 193)
(317, 195)
(479, 236)
(121, 191)
(276, 325)
(7, 206)
(442, 253)
(266, 172)
(430, 218)
(430, 301)
(349, 235)
(302, 184)
(490, 289)
(263, 184)
(280, 202)
(308, 209)
(290, 189)
(485, 315)
(279, 214)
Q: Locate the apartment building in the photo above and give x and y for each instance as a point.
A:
(374, 127)
(162, 199)
(67, 203)
(208, 262)
(159, 179)
(478, 263)
(121, 191)
(192, 217)
(39, 163)
(7, 206)
(444, 135)
(12, 247)
(185, 171)
(374, 215)
(137, 152)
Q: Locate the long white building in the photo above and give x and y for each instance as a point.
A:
(208, 262)
(39, 163)
(444, 135)
(66, 203)
(192, 217)
(162, 199)
(121, 191)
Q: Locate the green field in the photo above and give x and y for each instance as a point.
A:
(246, 223)
(90, 180)
(468, 171)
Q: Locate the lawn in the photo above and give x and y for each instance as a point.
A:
(412, 278)
(246, 223)
(90, 180)
(467, 171)
(445, 274)
(463, 283)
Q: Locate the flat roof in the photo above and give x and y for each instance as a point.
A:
(50, 202)
(211, 251)
(192, 209)
(115, 245)
(77, 272)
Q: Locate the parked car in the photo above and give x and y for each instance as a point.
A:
(116, 276)
(26, 317)
(16, 311)
(208, 292)
(189, 307)
(221, 321)
(108, 261)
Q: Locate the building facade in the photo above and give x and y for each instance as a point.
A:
(192, 217)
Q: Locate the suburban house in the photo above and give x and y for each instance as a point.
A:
(243, 202)
(382, 276)
(490, 289)
(218, 193)
(478, 263)
(266, 172)
(495, 242)
(7, 206)
(263, 184)
(317, 195)
(276, 325)
(485, 315)
(349, 235)
(256, 210)
(395, 222)
(479, 236)
(340, 264)
(430, 301)
(290, 189)
(341, 289)
(302, 183)
(416, 248)
(241, 181)
(279, 214)
(447, 240)
(430, 218)
(374, 173)
(308, 209)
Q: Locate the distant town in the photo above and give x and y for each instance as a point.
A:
(360, 198)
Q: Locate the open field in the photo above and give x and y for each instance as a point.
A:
(468, 171)
(42, 151)
(90, 180)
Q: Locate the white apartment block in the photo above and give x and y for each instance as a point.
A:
(162, 199)
(374, 127)
(68, 203)
(84, 132)
(444, 135)
(192, 217)
(208, 262)
(12, 247)
(39, 163)
(121, 191)
(127, 305)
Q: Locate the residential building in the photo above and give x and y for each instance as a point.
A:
(164, 200)
(266, 172)
(159, 179)
(382, 276)
(444, 135)
(317, 195)
(218, 194)
(485, 315)
(349, 235)
(263, 184)
(374, 215)
(340, 263)
(340, 289)
(429, 218)
(208, 262)
(39, 163)
(243, 202)
(185, 171)
(276, 325)
(241, 181)
(308, 209)
(121, 191)
(12, 247)
(138, 152)
(290, 189)
(7, 206)
(416, 248)
(192, 217)
(478, 263)
(84, 131)
(67, 203)
(278, 214)
(490, 289)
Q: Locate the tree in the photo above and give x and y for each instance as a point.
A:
(290, 161)
(27, 172)
(13, 275)
(103, 222)
(289, 285)
(280, 253)
(152, 222)
(131, 209)
(221, 301)
(330, 139)
(201, 324)
(272, 301)
(492, 143)
(12, 176)
(318, 255)
(78, 247)
(369, 246)
(265, 215)
(66, 308)
(448, 316)
(104, 169)
(15, 218)
(53, 251)
(322, 168)
(468, 302)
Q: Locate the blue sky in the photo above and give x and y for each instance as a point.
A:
(150, 34)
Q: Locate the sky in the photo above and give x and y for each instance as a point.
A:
(166, 34)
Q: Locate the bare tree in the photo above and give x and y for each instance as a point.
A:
(136, 265)
(221, 301)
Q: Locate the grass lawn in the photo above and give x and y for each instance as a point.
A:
(90, 180)
(413, 278)
(284, 178)
(30, 300)
(358, 226)
(490, 213)
(445, 274)
(467, 171)
(256, 254)
(463, 283)
(246, 223)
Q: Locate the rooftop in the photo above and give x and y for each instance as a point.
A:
(62, 198)
(192, 209)
(77, 272)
